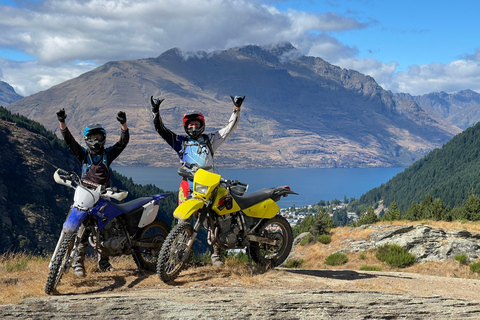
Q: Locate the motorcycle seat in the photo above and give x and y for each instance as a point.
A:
(253, 198)
(131, 205)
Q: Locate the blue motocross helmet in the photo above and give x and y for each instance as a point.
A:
(95, 136)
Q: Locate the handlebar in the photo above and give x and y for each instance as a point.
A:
(72, 180)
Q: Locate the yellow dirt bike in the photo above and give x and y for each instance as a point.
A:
(234, 220)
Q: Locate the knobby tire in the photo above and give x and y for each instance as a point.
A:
(155, 233)
(174, 249)
(59, 262)
(267, 255)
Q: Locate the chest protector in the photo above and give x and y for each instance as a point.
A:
(198, 152)
(95, 169)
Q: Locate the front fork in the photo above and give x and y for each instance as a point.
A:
(196, 230)
(79, 236)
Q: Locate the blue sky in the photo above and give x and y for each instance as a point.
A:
(408, 46)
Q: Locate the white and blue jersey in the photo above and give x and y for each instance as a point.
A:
(196, 151)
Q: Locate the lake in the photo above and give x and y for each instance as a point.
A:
(312, 185)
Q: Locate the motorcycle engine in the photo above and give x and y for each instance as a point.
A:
(112, 239)
(228, 230)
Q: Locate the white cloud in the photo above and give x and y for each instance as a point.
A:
(29, 77)
(457, 75)
(419, 79)
(61, 34)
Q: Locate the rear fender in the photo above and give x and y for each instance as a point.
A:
(158, 197)
(149, 214)
(150, 210)
(186, 209)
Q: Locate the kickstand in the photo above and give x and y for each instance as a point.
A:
(250, 259)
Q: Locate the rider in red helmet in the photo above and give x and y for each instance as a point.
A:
(196, 147)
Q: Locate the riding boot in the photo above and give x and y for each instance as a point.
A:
(79, 260)
(104, 263)
(216, 256)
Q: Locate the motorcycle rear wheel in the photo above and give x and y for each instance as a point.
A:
(172, 257)
(59, 262)
(153, 236)
(271, 256)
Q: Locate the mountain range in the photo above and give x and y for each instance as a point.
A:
(460, 108)
(299, 111)
(7, 94)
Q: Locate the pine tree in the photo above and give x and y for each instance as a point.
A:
(368, 217)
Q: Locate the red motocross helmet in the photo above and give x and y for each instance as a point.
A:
(194, 115)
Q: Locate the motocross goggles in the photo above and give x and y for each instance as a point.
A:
(95, 137)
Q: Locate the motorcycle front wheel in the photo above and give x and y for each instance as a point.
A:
(174, 253)
(268, 255)
(59, 263)
(149, 242)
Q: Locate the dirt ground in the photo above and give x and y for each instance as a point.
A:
(219, 293)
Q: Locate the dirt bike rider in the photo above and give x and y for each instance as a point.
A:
(95, 161)
(196, 147)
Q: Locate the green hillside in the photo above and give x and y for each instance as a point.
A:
(450, 173)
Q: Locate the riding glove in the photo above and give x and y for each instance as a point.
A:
(237, 100)
(61, 115)
(121, 117)
(155, 102)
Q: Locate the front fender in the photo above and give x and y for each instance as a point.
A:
(74, 220)
(186, 209)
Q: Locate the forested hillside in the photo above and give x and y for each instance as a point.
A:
(450, 173)
(32, 206)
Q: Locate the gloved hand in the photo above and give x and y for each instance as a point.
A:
(121, 117)
(237, 100)
(61, 115)
(155, 102)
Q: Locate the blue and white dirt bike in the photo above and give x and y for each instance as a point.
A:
(115, 229)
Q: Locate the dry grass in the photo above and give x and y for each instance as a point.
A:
(23, 276)
(455, 225)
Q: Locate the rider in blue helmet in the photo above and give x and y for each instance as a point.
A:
(95, 160)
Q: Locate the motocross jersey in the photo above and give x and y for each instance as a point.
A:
(201, 150)
(96, 167)
(197, 151)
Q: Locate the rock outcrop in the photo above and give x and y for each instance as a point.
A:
(425, 242)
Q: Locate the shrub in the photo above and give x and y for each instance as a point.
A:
(363, 256)
(462, 259)
(324, 238)
(370, 268)
(382, 252)
(336, 259)
(240, 256)
(320, 227)
(475, 267)
(307, 240)
(395, 256)
(294, 263)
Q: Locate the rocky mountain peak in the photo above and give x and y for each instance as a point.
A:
(8, 94)
(299, 112)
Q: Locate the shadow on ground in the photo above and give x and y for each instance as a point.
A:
(340, 274)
